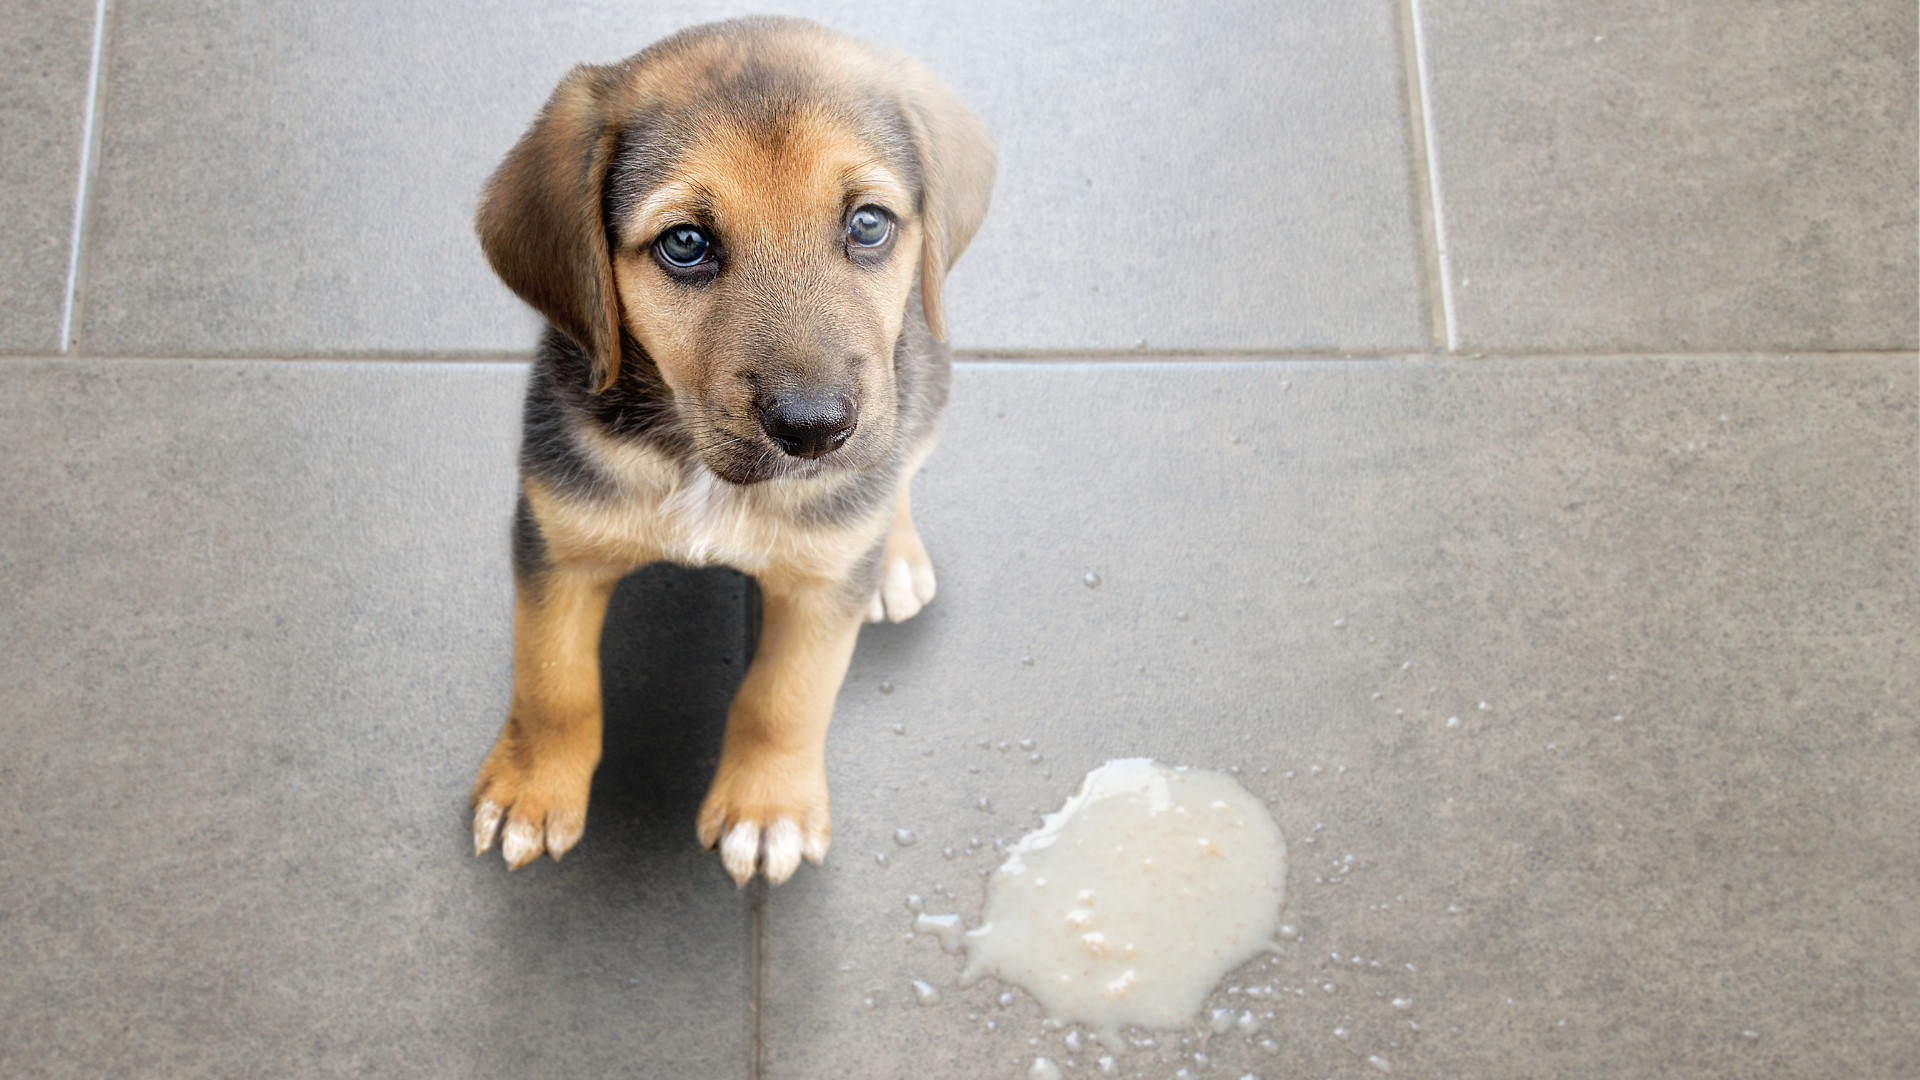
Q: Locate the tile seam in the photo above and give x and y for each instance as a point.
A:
(1420, 193)
(83, 190)
(1035, 356)
(1038, 359)
(1432, 163)
(756, 909)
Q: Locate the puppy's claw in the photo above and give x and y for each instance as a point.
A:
(814, 846)
(486, 823)
(740, 851)
(906, 580)
(781, 848)
(521, 844)
(562, 834)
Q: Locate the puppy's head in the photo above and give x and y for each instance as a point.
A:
(756, 203)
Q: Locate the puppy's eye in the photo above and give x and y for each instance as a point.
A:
(869, 227)
(683, 246)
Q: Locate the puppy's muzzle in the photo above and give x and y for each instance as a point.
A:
(807, 425)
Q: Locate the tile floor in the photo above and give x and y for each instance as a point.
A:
(1547, 365)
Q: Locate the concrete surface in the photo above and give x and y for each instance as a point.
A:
(1636, 175)
(1656, 510)
(45, 56)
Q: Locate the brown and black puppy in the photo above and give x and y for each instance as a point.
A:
(738, 238)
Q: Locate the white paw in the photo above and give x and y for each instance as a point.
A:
(775, 851)
(755, 832)
(906, 581)
(528, 834)
(533, 804)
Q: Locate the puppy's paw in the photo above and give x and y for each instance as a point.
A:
(906, 579)
(533, 805)
(762, 820)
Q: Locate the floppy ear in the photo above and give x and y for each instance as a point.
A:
(540, 218)
(957, 165)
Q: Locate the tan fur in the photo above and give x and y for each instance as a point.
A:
(542, 765)
(798, 308)
(782, 207)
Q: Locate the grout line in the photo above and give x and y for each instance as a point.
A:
(756, 909)
(1433, 176)
(1419, 187)
(1041, 358)
(83, 192)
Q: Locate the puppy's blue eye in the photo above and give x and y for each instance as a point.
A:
(683, 245)
(869, 227)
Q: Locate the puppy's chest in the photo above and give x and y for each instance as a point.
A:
(662, 509)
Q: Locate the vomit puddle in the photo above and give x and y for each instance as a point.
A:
(1133, 900)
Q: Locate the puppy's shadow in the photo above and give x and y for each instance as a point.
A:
(674, 650)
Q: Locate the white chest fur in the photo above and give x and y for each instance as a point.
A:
(668, 509)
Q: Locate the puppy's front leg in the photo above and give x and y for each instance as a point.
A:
(768, 803)
(540, 770)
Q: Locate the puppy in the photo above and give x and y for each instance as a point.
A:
(738, 238)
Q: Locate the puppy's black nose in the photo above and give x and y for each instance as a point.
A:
(807, 425)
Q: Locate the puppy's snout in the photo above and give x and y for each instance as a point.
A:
(807, 425)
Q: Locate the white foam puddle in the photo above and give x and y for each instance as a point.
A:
(1131, 902)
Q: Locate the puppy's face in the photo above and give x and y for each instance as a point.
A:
(766, 264)
(754, 203)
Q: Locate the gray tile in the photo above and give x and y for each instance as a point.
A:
(1684, 590)
(282, 178)
(256, 624)
(1635, 175)
(44, 60)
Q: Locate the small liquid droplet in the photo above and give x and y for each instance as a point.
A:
(1027, 659)
(1402, 1003)
(1289, 932)
(881, 858)
(1092, 580)
(886, 687)
(1339, 624)
(1026, 744)
(1182, 616)
(1453, 721)
(1486, 707)
(899, 729)
(946, 928)
(1042, 1069)
(926, 993)
(1380, 1063)
(905, 837)
(984, 805)
(1221, 1021)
